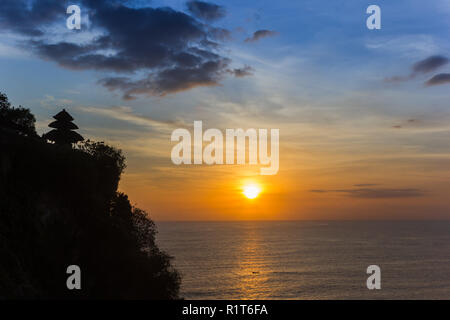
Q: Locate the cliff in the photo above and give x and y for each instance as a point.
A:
(60, 206)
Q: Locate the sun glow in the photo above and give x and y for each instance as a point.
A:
(251, 191)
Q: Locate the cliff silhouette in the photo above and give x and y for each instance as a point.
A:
(60, 206)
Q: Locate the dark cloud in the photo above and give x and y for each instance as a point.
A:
(429, 64)
(205, 10)
(260, 34)
(365, 185)
(152, 51)
(220, 33)
(438, 79)
(170, 80)
(242, 72)
(424, 66)
(376, 193)
(397, 127)
(18, 16)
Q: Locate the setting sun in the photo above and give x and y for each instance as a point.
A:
(251, 191)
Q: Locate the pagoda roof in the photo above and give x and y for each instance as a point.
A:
(62, 137)
(63, 125)
(63, 116)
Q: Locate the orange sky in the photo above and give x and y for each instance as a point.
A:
(325, 177)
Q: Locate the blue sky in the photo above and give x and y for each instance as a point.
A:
(314, 37)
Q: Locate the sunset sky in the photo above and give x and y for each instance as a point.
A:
(364, 115)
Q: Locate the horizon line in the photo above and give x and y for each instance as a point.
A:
(312, 220)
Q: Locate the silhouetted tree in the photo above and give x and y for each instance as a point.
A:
(63, 132)
(18, 120)
(111, 160)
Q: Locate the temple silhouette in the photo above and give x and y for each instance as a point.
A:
(63, 130)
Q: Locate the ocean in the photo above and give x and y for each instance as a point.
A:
(309, 259)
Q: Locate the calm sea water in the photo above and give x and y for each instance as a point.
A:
(309, 260)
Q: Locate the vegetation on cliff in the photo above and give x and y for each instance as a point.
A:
(60, 206)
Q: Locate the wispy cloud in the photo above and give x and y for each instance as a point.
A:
(424, 66)
(376, 193)
(407, 123)
(410, 46)
(205, 10)
(438, 79)
(242, 72)
(125, 113)
(7, 51)
(50, 101)
(429, 64)
(257, 35)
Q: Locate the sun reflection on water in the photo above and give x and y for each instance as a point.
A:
(253, 269)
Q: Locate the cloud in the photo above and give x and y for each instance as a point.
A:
(424, 66)
(429, 64)
(376, 193)
(12, 52)
(126, 114)
(242, 72)
(260, 34)
(407, 123)
(145, 50)
(397, 79)
(170, 80)
(22, 17)
(438, 79)
(205, 10)
(412, 46)
(50, 101)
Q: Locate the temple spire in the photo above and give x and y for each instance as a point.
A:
(63, 133)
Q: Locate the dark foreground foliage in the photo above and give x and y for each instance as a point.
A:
(60, 206)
